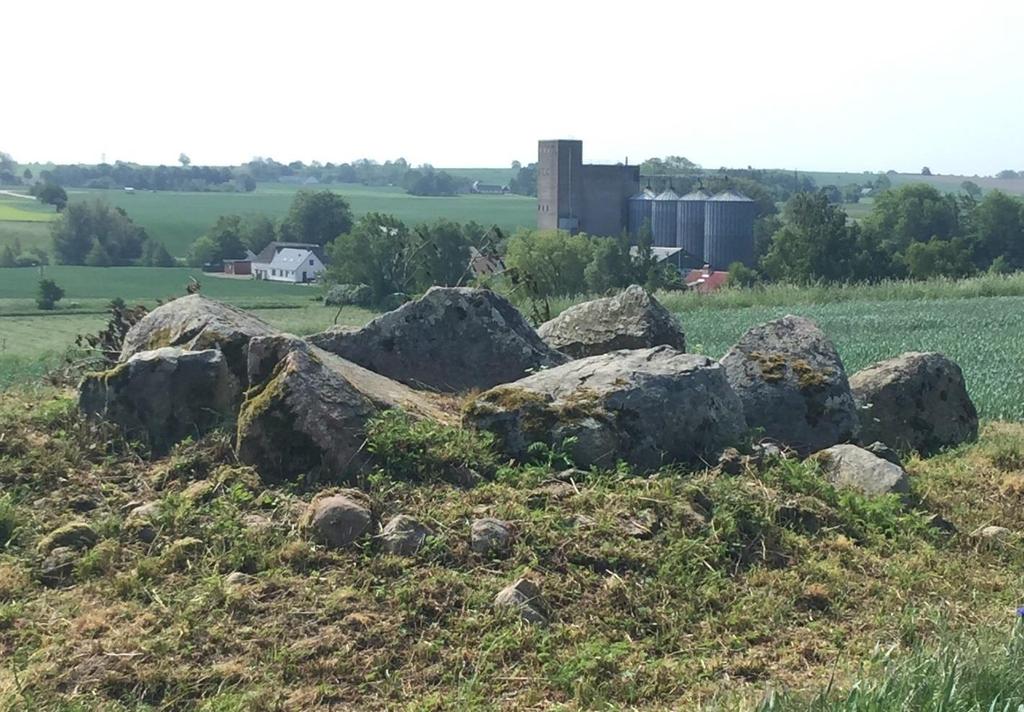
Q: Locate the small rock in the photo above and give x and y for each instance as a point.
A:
(583, 521)
(403, 535)
(880, 449)
(640, 525)
(338, 520)
(731, 462)
(140, 519)
(75, 535)
(940, 523)
(83, 503)
(490, 537)
(182, 552)
(198, 491)
(993, 536)
(236, 580)
(256, 522)
(58, 567)
(146, 511)
(852, 467)
(523, 595)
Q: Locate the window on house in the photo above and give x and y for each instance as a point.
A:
(311, 260)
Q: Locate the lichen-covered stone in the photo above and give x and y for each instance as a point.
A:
(163, 396)
(490, 537)
(792, 384)
(632, 319)
(917, 401)
(74, 535)
(851, 467)
(452, 339)
(195, 323)
(309, 410)
(647, 407)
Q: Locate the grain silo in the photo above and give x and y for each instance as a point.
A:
(690, 224)
(640, 208)
(664, 218)
(729, 230)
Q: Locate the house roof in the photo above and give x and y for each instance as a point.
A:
(269, 253)
(705, 281)
(290, 258)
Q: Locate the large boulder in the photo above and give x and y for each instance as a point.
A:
(851, 467)
(917, 401)
(792, 384)
(631, 320)
(452, 339)
(308, 409)
(196, 323)
(647, 407)
(163, 396)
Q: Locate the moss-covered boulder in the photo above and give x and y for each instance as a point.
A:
(452, 339)
(163, 396)
(307, 410)
(793, 386)
(916, 401)
(196, 323)
(647, 407)
(631, 320)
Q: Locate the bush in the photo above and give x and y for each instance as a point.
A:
(48, 294)
(359, 295)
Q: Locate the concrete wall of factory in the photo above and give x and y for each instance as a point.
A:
(575, 197)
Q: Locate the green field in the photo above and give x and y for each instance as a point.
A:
(177, 219)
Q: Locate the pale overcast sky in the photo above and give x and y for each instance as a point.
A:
(863, 85)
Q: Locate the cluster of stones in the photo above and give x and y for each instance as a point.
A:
(609, 381)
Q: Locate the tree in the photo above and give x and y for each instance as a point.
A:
(832, 194)
(912, 213)
(223, 241)
(516, 165)
(7, 257)
(257, 231)
(48, 294)
(316, 217)
(52, 194)
(741, 276)
(184, 160)
(971, 188)
(926, 171)
(27, 175)
(525, 180)
(7, 163)
(548, 264)
(937, 257)
(1007, 174)
(997, 230)
(814, 243)
(155, 254)
(98, 256)
(376, 252)
(852, 193)
(84, 224)
(443, 254)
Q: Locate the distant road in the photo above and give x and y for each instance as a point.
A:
(16, 195)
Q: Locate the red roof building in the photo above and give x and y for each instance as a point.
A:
(705, 280)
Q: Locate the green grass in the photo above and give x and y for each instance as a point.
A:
(177, 219)
(767, 581)
(947, 183)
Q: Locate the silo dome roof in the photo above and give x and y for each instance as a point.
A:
(732, 196)
(668, 194)
(696, 195)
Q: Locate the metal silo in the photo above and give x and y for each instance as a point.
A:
(729, 230)
(690, 224)
(640, 207)
(663, 218)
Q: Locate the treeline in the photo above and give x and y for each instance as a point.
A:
(913, 231)
(416, 180)
(131, 175)
(95, 234)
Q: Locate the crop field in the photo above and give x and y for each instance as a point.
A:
(948, 183)
(177, 219)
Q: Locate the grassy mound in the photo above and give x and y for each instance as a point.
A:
(679, 590)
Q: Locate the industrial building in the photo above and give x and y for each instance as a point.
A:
(715, 230)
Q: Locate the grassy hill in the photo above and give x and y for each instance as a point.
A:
(739, 584)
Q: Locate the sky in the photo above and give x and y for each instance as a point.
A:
(852, 86)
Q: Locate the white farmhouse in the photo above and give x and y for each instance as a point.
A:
(295, 262)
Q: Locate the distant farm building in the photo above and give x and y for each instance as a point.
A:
(488, 188)
(483, 264)
(295, 262)
(606, 200)
(706, 280)
(238, 267)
